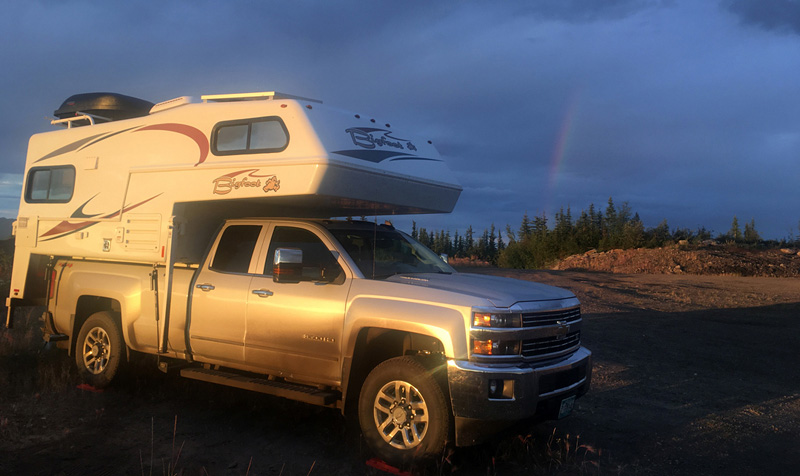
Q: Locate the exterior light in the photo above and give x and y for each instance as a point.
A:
(486, 319)
(495, 347)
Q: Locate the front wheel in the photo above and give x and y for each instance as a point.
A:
(403, 412)
(98, 350)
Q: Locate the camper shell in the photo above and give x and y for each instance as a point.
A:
(125, 180)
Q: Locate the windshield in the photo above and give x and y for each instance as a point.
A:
(380, 252)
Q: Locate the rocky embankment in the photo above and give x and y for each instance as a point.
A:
(708, 260)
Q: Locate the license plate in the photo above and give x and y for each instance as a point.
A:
(566, 407)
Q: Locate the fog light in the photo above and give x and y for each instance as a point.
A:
(501, 389)
(495, 347)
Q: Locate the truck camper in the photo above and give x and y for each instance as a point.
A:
(202, 232)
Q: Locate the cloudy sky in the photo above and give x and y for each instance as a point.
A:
(687, 110)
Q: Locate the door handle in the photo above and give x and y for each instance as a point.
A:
(205, 287)
(262, 293)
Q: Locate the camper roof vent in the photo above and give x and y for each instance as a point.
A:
(253, 97)
(169, 104)
(103, 106)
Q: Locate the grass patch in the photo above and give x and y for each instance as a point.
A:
(28, 365)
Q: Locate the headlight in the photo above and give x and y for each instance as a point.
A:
(487, 319)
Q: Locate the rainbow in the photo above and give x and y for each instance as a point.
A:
(557, 159)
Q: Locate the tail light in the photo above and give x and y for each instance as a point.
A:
(52, 291)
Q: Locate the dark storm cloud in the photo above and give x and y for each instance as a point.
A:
(670, 105)
(780, 15)
(589, 10)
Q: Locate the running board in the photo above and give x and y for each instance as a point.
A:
(55, 337)
(293, 391)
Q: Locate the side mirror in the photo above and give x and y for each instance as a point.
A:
(288, 265)
(444, 257)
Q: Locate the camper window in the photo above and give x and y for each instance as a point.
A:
(250, 136)
(50, 184)
(267, 135)
(232, 138)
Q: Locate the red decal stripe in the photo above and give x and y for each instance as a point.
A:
(66, 227)
(189, 131)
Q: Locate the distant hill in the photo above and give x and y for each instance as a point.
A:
(5, 228)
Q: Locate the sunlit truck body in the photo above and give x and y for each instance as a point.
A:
(201, 232)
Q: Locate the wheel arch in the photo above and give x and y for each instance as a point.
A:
(90, 289)
(374, 345)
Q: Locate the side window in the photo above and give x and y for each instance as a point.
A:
(235, 248)
(267, 135)
(50, 184)
(250, 136)
(232, 138)
(318, 262)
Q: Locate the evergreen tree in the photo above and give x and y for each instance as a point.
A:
(659, 235)
(423, 237)
(750, 233)
(611, 217)
(734, 234)
(633, 233)
(525, 228)
(584, 232)
(540, 225)
(491, 246)
(702, 234)
(563, 227)
(512, 238)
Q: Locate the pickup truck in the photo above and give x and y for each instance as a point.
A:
(345, 314)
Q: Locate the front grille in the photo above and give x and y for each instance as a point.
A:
(550, 345)
(549, 318)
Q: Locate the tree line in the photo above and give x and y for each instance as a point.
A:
(537, 241)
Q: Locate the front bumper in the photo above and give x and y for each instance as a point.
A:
(527, 391)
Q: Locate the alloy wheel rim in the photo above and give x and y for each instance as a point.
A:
(401, 414)
(96, 350)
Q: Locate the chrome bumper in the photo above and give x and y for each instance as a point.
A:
(523, 391)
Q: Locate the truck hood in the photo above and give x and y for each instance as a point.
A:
(501, 292)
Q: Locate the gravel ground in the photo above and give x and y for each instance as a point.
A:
(693, 375)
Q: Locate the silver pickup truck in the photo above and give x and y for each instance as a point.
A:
(345, 314)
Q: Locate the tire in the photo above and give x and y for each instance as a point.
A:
(99, 349)
(403, 412)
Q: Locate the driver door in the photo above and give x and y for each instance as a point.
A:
(295, 329)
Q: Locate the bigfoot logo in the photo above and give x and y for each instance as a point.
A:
(370, 138)
(272, 185)
(244, 179)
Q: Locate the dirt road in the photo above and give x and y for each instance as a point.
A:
(693, 375)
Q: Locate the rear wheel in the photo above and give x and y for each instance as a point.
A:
(98, 350)
(403, 412)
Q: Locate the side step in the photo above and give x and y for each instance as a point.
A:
(293, 391)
